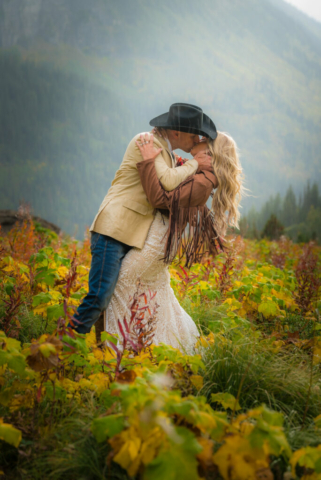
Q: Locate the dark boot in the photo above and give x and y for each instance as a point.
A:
(100, 327)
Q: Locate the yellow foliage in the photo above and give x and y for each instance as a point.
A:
(10, 434)
(197, 381)
(307, 457)
(62, 271)
(133, 447)
(100, 381)
(238, 460)
(91, 338)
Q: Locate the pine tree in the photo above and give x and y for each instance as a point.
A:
(289, 210)
(273, 229)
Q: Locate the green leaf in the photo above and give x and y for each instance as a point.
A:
(317, 466)
(10, 434)
(166, 352)
(182, 408)
(195, 362)
(274, 437)
(271, 417)
(11, 344)
(257, 296)
(41, 298)
(106, 427)
(268, 309)
(227, 400)
(39, 258)
(179, 462)
(15, 361)
(8, 288)
(61, 260)
(77, 360)
(77, 295)
(55, 311)
(269, 429)
(308, 457)
(23, 268)
(110, 338)
(47, 276)
(79, 343)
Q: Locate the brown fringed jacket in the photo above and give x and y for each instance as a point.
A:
(185, 204)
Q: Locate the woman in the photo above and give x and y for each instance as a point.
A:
(144, 271)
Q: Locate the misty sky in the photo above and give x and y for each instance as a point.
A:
(310, 7)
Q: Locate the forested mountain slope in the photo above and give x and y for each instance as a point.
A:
(81, 78)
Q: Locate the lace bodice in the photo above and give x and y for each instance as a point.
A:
(173, 325)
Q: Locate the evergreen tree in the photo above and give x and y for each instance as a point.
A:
(273, 229)
(314, 222)
(315, 199)
(289, 210)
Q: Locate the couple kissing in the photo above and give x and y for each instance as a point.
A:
(155, 209)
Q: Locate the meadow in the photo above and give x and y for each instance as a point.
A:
(246, 405)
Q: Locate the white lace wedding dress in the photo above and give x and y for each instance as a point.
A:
(173, 325)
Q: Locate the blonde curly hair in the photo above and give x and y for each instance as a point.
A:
(229, 174)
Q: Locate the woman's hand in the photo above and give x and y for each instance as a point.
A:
(146, 147)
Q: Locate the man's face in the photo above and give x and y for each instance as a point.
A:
(186, 141)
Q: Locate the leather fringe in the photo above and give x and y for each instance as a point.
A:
(191, 231)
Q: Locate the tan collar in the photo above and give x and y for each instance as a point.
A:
(164, 144)
(162, 141)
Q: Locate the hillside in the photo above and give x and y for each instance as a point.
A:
(254, 67)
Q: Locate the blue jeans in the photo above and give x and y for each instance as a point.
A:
(107, 255)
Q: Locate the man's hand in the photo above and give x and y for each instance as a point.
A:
(147, 148)
(204, 162)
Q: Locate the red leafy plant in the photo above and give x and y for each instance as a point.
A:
(187, 282)
(23, 239)
(208, 266)
(280, 253)
(307, 273)
(9, 322)
(224, 280)
(136, 334)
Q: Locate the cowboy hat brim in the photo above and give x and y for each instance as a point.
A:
(207, 130)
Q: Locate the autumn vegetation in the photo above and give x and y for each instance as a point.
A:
(246, 405)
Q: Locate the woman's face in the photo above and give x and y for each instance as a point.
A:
(200, 147)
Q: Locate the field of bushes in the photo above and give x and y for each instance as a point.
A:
(246, 405)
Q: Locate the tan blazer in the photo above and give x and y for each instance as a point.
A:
(125, 213)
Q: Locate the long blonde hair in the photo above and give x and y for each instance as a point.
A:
(229, 174)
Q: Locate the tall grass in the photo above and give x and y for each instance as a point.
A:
(67, 450)
(33, 326)
(249, 368)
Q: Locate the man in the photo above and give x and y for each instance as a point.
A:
(125, 215)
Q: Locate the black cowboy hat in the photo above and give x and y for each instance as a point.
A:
(186, 118)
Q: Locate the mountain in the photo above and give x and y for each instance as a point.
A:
(81, 78)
